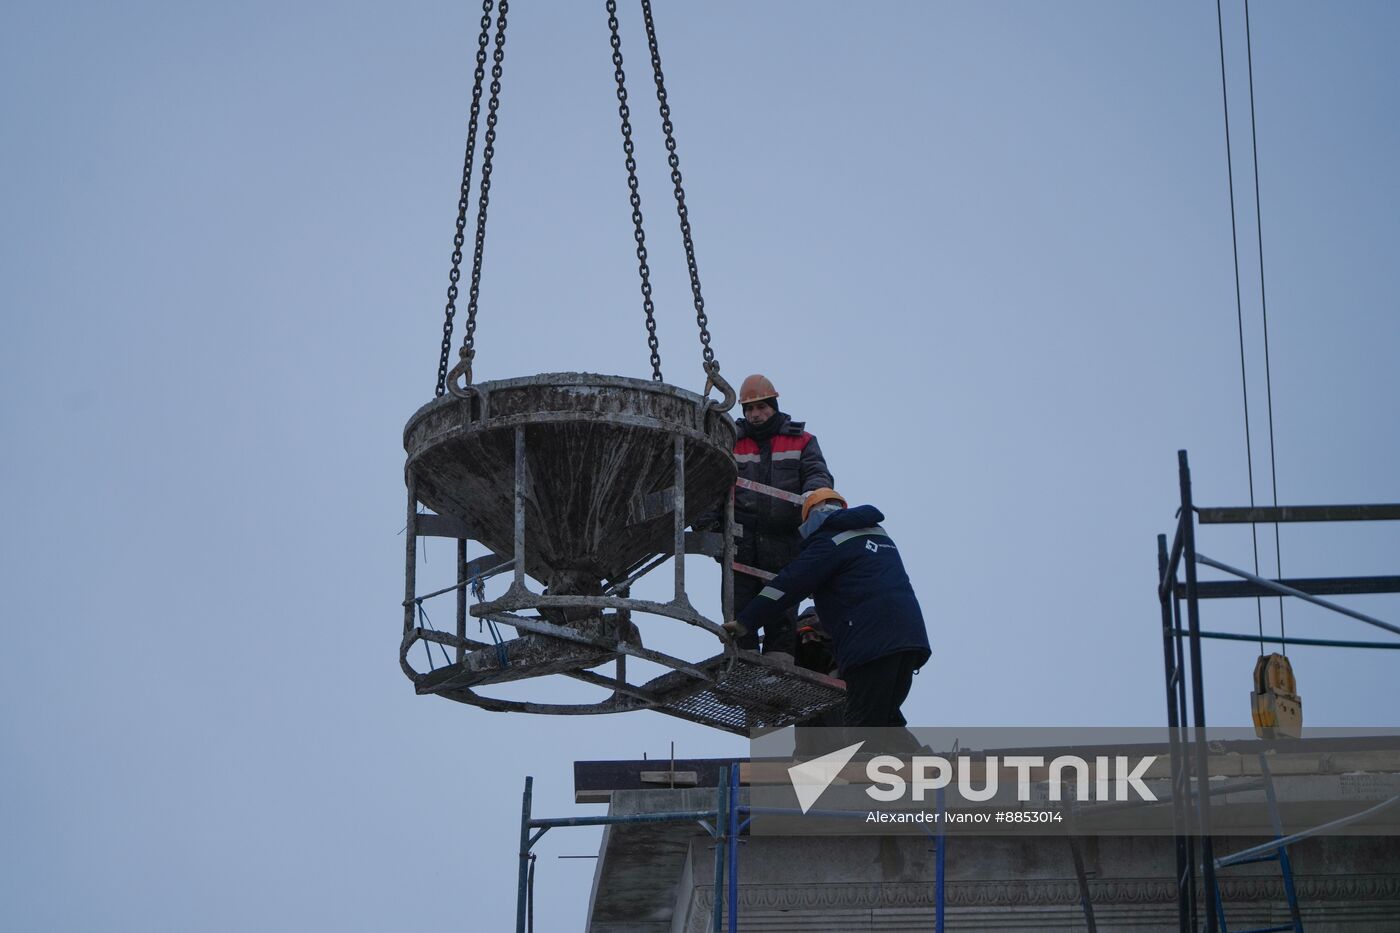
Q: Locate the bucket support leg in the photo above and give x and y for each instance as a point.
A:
(410, 567)
(678, 513)
(519, 581)
(461, 599)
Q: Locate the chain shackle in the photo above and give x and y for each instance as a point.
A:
(459, 379)
(713, 380)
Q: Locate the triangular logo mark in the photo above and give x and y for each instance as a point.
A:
(811, 778)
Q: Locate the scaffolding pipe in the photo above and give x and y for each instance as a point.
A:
(1289, 889)
(1277, 587)
(522, 887)
(717, 908)
(732, 830)
(1198, 699)
(1276, 844)
(1166, 573)
(1276, 640)
(940, 849)
(677, 816)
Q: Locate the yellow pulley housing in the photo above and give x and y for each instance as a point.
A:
(1277, 708)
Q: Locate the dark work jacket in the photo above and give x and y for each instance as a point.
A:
(852, 570)
(789, 459)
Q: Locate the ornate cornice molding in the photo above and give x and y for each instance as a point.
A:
(1022, 894)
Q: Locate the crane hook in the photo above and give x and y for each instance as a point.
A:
(463, 371)
(714, 380)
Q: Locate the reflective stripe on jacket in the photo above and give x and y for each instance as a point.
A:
(789, 459)
(853, 572)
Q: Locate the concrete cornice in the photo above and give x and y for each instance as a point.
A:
(997, 903)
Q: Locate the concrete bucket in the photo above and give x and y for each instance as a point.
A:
(599, 461)
(584, 483)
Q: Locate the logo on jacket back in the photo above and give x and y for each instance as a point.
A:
(874, 548)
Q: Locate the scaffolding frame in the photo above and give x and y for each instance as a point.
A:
(721, 824)
(1181, 651)
(725, 824)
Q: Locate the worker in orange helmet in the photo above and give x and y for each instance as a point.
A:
(774, 450)
(851, 568)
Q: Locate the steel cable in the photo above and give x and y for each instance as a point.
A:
(1264, 311)
(1239, 306)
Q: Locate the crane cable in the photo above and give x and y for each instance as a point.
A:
(1239, 312)
(1264, 310)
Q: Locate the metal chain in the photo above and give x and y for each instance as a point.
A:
(710, 364)
(638, 233)
(708, 355)
(460, 236)
(484, 197)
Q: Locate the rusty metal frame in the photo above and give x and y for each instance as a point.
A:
(519, 596)
(507, 607)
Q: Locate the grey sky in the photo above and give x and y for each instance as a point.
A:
(983, 248)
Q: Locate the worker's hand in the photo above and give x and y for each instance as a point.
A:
(735, 630)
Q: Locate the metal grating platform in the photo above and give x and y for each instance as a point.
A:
(755, 693)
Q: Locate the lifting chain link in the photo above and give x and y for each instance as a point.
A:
(463, 369)
(710, 364)
(634, 195)
(460, 237)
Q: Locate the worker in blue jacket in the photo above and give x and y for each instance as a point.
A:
(851, 568)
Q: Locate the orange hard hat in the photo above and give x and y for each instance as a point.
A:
(817, 496)
(756, 388)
